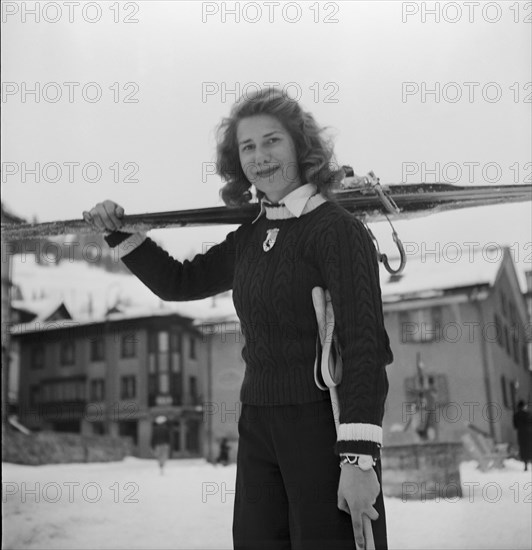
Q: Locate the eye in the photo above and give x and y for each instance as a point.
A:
(246, 147)
(273, 139)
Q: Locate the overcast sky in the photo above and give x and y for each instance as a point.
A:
(362, 74)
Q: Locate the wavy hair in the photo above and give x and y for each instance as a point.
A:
(314, 153)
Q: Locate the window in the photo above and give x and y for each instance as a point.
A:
(37, 356)
(97, 389)
(513, 395)
(128, 389)
(164, 383)
(152, 342)
(498, 330)
(512, 314)
(176, 389)
(129, 345)
(524, 353)
(193, 388)
(175, 341)
(192, 349)
(175, 351)
(71, 389)
(34, 396)
(164, 368)
(163, 360)
(67, 352)
(506, 340)
(503, 303)
(163, 341)
(420, 325)
(515, 340)
(504, 392)
(97, 353)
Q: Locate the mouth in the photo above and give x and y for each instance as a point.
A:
(267, 172)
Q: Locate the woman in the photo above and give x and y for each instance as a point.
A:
(290, 491)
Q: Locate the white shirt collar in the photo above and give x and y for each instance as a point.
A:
(295, 201)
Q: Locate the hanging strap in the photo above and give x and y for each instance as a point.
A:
(328, 361)
(370, 184)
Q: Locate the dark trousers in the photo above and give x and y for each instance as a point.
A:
(287, 482)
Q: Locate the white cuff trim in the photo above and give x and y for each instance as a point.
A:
(127, 246)
(360, 432)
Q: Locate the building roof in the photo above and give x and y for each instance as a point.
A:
(429, 275)
(198, 313)
(43, 310)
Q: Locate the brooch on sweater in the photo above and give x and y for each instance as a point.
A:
(271, 237)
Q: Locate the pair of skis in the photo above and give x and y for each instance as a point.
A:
(363, 196)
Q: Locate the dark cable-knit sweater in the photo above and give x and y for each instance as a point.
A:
(272, 294)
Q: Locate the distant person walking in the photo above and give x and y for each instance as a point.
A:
(523, 424)
(160, 441)
(223, 457)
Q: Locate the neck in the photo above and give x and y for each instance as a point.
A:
(276, 195)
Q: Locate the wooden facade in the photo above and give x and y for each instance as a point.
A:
(114, 377)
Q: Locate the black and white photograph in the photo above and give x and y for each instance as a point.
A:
(266, 275)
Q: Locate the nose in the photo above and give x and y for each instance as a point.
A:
(262, 157)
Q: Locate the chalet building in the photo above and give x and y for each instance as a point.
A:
(7, 319)
(114, 377)
(460, 333)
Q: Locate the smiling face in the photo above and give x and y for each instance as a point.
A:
(268, 156)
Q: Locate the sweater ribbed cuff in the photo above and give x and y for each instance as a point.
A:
(357, 438)
(355, 431)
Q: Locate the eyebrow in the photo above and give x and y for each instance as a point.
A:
(264, 136)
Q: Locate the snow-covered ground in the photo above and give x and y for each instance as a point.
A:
(129, 505)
